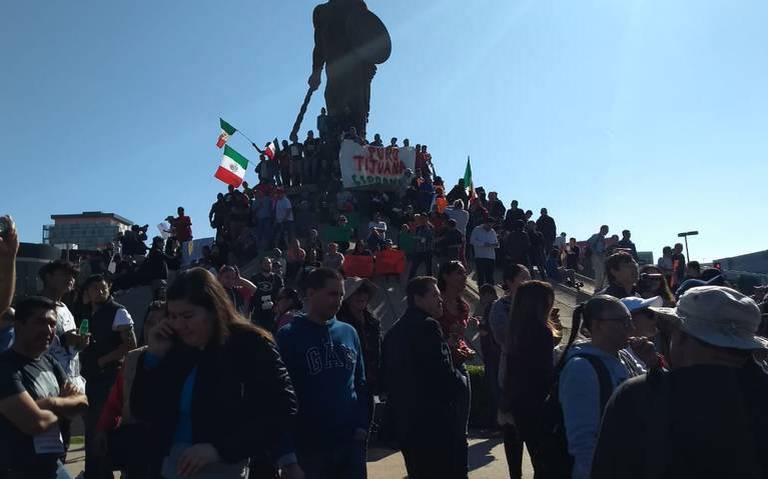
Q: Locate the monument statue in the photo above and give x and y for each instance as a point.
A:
(349, 42)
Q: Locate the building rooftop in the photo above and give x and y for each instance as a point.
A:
(93, 214)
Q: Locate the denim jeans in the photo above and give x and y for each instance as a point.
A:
(335, 461)
(463, 406)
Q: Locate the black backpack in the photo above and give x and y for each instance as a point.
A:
(555, 461)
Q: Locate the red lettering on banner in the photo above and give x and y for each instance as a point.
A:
(358, 159)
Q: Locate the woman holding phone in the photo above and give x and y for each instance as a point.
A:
(211, 385)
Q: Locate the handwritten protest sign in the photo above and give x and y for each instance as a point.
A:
(374, 167)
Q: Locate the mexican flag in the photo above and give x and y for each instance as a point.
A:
(270, 150)
(468, 181)
(227, 130)
(232, 168)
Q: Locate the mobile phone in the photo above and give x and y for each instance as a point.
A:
(4, 227)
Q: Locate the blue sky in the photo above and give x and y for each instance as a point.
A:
(646, 115)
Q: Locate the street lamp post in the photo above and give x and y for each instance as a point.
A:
(685, 236)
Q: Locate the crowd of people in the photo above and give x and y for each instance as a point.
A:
(287, 372)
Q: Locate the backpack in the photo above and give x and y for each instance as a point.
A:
(555, 461)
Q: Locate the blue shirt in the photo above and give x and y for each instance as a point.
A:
(183, 433)
(325, 363)
(579, 392)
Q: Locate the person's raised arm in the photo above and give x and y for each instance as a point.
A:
(244, 283)
(22, 411)
(9, 246)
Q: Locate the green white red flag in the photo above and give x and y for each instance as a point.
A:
(227, 130)
(270, 150)
(232, 168)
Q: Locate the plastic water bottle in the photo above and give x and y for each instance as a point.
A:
(84, 328)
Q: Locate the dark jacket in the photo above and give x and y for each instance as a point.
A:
(419, 377)
(513, 215)
(457, 193)
(370, 341)
(516, 247)
(242, 401)
(154, 267)
(496, 209)
(547, 228)
(618, 291)
(695, 422)
(104, 340)
(530, 373)
(628, 245)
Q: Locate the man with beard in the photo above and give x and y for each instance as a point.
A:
(268, 284)
(112, 336)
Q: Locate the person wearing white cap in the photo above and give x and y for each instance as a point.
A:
(641, 354)
(706, 417)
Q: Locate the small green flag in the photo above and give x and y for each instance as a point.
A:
(468, 180)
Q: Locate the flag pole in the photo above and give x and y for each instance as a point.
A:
(246, 137)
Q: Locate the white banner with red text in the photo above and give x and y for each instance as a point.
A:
(374, 167)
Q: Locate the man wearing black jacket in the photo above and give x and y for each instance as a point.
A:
(546, 226)
(706, 417)
(423, 386)
(111, 329)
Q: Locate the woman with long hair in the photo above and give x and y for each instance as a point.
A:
(452, 281)
(529, 369)
(211, 385)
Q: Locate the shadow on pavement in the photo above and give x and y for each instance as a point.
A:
(480, 454)
(379, 453)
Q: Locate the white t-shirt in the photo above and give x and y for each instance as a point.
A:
(68, 357)
(122, 319)
(480, 236)
(283, 207)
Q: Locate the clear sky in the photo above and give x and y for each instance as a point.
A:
(647, 115)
